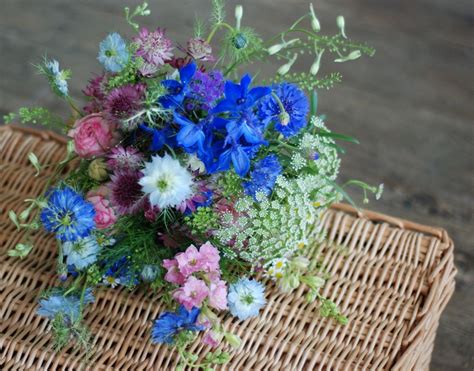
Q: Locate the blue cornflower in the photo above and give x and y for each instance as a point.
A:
(67, 306)
(113, 53)
(264, 176)
(170, 324)
(68, 215)
(296, 105)
(246, 298)
(177, 90)
(238, 96)
(81, 253)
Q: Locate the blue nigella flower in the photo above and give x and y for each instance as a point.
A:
(264, 176)
(296, 105)
(81, 253)
(113, 53)
(246, 298)
(170, 324)
(67, 306)
(68, 215)
(177, 90)
(238, 96)
(121, 273)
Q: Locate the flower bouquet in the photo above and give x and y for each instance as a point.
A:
(188, 177)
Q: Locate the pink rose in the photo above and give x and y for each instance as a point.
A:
(93, 135)
(104, 213)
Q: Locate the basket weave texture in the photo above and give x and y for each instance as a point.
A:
(390, 277)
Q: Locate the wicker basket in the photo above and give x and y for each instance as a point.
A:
(390, 277)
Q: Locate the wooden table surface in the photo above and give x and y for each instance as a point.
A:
(411, 106)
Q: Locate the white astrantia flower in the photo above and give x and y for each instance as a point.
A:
(166, 182)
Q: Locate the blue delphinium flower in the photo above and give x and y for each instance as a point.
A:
(238, 96)
(68, 215)
(81, 253)
(177, 90)
(67, 306)
(170, 324)
(159, 137)
(113, 53)
(246, 298)
(264, 176)
(296, 105)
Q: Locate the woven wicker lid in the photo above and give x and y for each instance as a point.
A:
(391, 278)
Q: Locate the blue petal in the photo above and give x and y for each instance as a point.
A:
(244, 84)
(241, 161)
(189, 135)
(232, 91)
(187, 72)
(224, 106)
(259, 92)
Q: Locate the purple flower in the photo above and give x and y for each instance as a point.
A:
(124, 101)
(200, 49)
(154, 48)
(126, 193)
(207, 87)
(125, 157)
(95, 90)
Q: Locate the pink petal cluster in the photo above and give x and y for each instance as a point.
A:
(93, 135)
(104, 213)
(198, 274)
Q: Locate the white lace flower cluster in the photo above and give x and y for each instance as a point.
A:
(273, 229)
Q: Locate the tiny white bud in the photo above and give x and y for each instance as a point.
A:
(314, 21)
(239, 12)
(341, 24)
(283, 70)
(275, 49)
(317, 63)
(353, 55)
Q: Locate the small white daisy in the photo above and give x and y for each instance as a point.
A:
(166, 182)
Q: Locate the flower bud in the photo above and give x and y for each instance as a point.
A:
(294, 281)
(277, 47)
(314, 21)
(300, 262)
(353, 55)
(232, 339)
(239, 12)
(341, 24)
(149, 272)
(284, 118)
(314, 281)
(283, 70)
(98, 170)
(317, 63)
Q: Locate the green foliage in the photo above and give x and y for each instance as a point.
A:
(35, 116)
(230, 184)
(140, 10)
(128, 75)
(21, 250)
(217, 12)
(329, 309)
(80, 180)
(202, 220)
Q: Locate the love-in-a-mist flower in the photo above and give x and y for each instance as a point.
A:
(166, 182)
(113, 53)
(81, 253)
(68, 215)
(246, 298)
(66, 305)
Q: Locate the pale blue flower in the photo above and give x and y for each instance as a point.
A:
(81, 253)
(113, 53)
(58, 78)
(246, 298)
(68, 306)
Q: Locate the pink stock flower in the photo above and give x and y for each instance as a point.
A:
(218, 295)
(104, 213)
(173, 275)
(212, 339)
(189, 261)
(192, 294)
(93, 135)
(209, 257)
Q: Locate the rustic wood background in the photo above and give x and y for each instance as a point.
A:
(411, 106)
